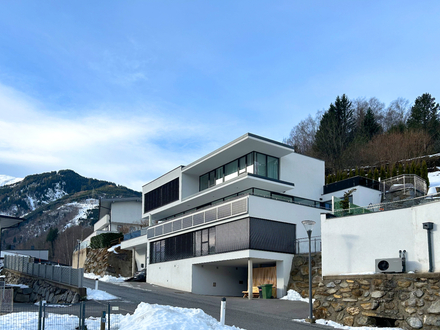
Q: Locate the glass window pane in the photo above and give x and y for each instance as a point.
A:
(212, 178)
(212, 240)
(231, 170)
(198, 243)
(242, 165)
(250, 163)
(204, 179)
(272, 167)
(205, 248)
(261, 164)
(219, 175)
(205, 235)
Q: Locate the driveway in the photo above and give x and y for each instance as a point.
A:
(255, 314)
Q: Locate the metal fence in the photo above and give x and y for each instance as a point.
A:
(388, 206)
(84, 315)
(60, 274)
(302, 245)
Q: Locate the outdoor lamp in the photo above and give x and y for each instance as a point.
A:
(308, 225)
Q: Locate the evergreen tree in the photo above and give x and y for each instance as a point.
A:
(376, 174)
(383, 173)
(335, 132)
(424, 172)
(362, 172)
(400, 169)
(370, 126)
(394, 171)
(424, 115)
(356, 171)
(52, 235)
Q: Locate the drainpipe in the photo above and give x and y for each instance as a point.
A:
(429, 226)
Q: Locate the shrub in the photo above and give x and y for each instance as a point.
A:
(104, 240)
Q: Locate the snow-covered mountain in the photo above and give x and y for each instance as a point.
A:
(60, 199)
(7, 180)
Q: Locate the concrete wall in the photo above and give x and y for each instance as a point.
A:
(126, 212)
(140, 255)
(82, 258)
(306, 173)
(219, 280)
(172, 274)
(351, 244)
(270, 209)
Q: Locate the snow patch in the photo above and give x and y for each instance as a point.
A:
(6, 180)
(292, 295)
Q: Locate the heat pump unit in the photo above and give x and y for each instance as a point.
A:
(389, 265)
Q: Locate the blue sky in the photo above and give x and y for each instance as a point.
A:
(127, 90)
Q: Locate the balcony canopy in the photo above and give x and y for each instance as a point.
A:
(235, 149)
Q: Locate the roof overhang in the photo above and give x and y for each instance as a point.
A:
(8, 222)
(235, 149)
(241, 183)
(105, 204)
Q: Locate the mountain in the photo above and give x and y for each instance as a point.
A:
(62, 200)
(6, 180)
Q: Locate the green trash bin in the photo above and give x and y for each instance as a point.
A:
(267, 291)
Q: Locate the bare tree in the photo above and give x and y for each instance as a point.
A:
(302, 136)
(396, 114)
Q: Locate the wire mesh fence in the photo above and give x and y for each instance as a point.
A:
(87, 315)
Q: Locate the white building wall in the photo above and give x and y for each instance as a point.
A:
(171, 274)
(140, 255)
(362, 196)
(308, 175)
(351, 244)
(126, 212)
(270, 209)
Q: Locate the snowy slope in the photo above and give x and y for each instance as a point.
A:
(7, 180)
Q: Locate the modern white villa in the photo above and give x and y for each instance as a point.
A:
(117, 215)
(234, 213)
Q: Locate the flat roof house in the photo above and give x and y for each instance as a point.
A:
(228, 214)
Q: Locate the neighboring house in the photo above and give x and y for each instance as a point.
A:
(218, 220)
(351, 244)
(121, 215)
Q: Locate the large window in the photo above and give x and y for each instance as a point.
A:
(248, 233)
(254, 162)
(162, 195)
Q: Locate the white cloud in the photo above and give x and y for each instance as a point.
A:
(127, 148)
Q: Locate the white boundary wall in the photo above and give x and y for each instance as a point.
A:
(351, 244)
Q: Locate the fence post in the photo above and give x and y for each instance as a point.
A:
(40, 313)
(108, 313)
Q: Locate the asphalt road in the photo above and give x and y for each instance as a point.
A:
(255, 314)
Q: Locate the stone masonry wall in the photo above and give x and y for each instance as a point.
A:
(408, 301)
(101, 262)
(39, 289)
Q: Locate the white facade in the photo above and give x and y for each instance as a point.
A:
(351, 244)
(118, 212)
(292, 192)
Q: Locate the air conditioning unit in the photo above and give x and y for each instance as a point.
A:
(389, 265)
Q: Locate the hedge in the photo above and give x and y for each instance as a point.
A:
(104, 240)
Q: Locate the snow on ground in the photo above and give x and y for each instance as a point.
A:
(292, 295)
(145, 317)
(7, 180)
(346, 327)
(434, 179)
(105, 278)
(93, 294)
(112, 249)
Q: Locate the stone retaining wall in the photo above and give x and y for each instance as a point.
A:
(101, 262)
(408, 301)
(39, 289)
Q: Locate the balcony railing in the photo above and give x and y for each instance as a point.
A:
(396, 205)
(302, 245)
